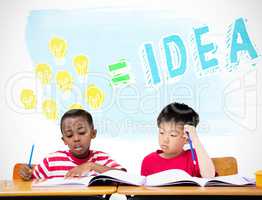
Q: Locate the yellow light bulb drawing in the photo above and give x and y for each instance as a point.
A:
(94, 96)
(81, 64)
(64, 81)
(49, 109)
(76, 106)
(44, 73)
(28, 98)
(58, 48)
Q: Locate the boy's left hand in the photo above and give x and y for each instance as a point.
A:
(191, 130)
(80, 170)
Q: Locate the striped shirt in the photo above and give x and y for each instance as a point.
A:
(57, 164)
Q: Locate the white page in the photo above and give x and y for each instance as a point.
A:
(60, 181)
(123, 177)
(235, 179)
(113, 175)
(167, 177)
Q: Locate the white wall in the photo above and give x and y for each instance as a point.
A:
(19, 131)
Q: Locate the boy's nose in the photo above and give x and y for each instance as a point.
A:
(166, 139)
(76, 137)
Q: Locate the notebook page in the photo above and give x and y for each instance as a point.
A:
(169, 177)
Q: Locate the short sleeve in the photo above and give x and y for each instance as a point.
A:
(144, 168)
(41, 170)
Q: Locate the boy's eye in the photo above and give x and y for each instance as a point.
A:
(173, 135)
(161, 133)
(68, 136)
(81, 128)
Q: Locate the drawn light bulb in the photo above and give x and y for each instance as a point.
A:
(76, 106)
(28, 98)
(64, 81)
(80, 63)
(49, 109)
(44, 73)
(94, 96)
(58, 48)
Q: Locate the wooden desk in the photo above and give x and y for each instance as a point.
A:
(23, 189)
(191, 192)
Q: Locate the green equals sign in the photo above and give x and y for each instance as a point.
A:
(119, 72)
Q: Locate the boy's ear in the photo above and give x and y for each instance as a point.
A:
(62, 138)
(185, 138)
(93, 134)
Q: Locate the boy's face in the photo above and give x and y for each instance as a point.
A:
(171, 138)
(77, 135)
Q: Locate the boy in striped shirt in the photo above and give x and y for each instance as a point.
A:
(77, 132)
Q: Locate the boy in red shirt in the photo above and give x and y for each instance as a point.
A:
(77, 132)
(177, 125)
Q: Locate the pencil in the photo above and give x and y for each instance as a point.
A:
(191, 148)
(31, 155)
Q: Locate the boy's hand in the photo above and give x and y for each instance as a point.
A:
(191, 130)
(25, 172)
(80, 170)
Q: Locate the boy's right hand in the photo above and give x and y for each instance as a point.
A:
(25, 172)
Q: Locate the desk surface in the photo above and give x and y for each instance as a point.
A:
(23, 188)
(190, 190)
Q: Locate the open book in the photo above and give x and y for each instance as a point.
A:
(164, 178)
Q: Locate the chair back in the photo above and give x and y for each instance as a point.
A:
(225, 166)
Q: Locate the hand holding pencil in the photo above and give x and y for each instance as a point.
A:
(190, 130)
(26, 170)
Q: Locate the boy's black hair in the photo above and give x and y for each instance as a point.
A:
(77, 113)
(178, 112)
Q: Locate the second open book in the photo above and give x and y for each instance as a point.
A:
(164, 178)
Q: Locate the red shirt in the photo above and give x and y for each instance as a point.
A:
(154, 163)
